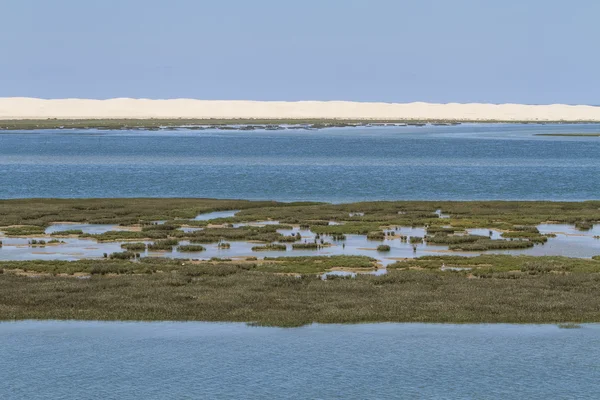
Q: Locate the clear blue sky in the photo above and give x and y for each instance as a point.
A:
(522, 51)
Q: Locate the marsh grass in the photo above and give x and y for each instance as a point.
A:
(453, 239)
(270, 247)
(376, 235)
(584, 225)
(531, 236)
(23, 230)
(226, 291)
(310, 246)
(488, 244)
(358, 218)
(191, 248)
(134, 246)
(124, 255)
(67, 232)
(160, 245)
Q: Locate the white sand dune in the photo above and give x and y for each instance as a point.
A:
(30, 108)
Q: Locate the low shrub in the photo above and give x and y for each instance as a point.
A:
(134, 246)
(67, 232)
(123, 255)
(270, 247)
(191, 248)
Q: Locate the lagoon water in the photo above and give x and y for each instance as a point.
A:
(89, 360)
(464, 162)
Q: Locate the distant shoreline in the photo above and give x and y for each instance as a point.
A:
(243, 124)
(20, 108)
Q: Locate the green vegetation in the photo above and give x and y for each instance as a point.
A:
(383, 247)
(160, 227)
(488, 244)
(191, 248)
(42, 212)
(310, 246)
(24, 217)
(68, 232)
(270, 247)
(497, 288)
(254, 233)
(377, 235)
(440, 230)
(530, 236)
(134, 246)
(584, 225)
(453, 239)
(23, 230)
(124, 255)
(161, 245)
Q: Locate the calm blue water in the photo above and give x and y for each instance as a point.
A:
(474, 161)
(92, 360)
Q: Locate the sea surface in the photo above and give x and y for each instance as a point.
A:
(116, 360)
(189, 360)
(464, 162)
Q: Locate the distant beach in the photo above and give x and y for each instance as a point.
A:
(19, 108)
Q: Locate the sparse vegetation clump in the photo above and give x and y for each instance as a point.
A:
(160, 227)
(270, 247)
(530, 236)
(435, 230)
(23, 230)
(453, 239)
(377, 235)
(290, 239)
(161, 245)
(526, 228)
(68, 232)
(123, 255)
(383, 248)
(191, 248)
(416, 240)
(584, 225)
(224, 245)
(134, 246)
(488, 244)
(310, 246)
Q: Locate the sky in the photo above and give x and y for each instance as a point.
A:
(492, 51)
